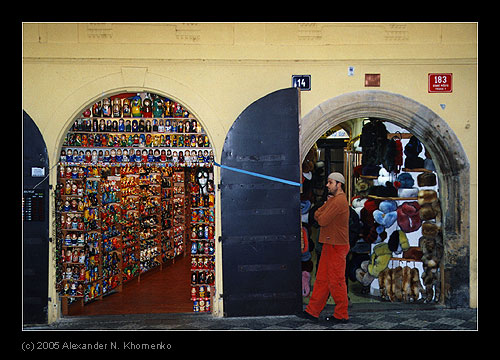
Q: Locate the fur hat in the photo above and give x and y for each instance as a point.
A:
(398, 240)
(385, 191)
(406, 180)
(371, 205)
(414, 162)
(426, 196)
(371, 170)
(413, 252)
(358, 202)
(386, 214)
(429, 165)
(426, 179)
(379, 259)
(430, 229)
(383, 176)
(408, 216)
(429, 211)
(408, 192)
(370, 234)
(362, 185)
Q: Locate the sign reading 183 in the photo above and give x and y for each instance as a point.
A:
(303, 82)
(440, 83)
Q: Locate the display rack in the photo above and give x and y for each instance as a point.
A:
(202, 239)
(122, 198)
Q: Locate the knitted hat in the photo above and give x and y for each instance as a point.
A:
(337, 177)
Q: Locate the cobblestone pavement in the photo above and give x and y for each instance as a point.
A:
(403, 319)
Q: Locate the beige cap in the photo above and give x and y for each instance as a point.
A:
(337, 177)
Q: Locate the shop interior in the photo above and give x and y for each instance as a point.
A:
(395, 217)
(135, 203)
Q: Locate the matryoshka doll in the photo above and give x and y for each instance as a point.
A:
(94, 156)
(117, 107)
(156, 155)
(163, 156)
(166, 108)
(158, 107)
(69, 156)
(136, 106)
(187, 126)
(97, 109)
(106, 107)
(88, 156)
(181, 158)
(187, 158)
(121, 125)
(119, 156)
(67, 258)
(62, 157)
(112, 158)
(86, 113)
(126, 108)
(82, 272)
(147, 110)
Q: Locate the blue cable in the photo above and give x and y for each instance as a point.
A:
(272, 178)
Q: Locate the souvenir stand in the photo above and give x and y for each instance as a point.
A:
(135, 189)
(393, 187)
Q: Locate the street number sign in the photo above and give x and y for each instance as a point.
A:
(303, 82)
(440, 83)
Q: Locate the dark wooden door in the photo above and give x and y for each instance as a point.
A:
(35, 224)
(260, 214)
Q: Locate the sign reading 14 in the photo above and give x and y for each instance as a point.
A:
(303, 82)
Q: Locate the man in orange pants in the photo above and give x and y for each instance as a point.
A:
(333, 219)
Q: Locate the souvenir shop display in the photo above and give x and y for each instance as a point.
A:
(400, 214)
(202, 223)
(135, 190)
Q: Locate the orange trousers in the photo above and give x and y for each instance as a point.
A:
(330, 279)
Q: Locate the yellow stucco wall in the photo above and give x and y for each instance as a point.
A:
(217, 69)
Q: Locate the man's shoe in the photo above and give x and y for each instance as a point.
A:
(305, 315)
(334, 321)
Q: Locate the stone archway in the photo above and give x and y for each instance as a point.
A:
(449, 158)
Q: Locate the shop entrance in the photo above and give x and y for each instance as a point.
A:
(452, 169)
(135, 202)
(392, 178)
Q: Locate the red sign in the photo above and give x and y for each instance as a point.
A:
(440, 83)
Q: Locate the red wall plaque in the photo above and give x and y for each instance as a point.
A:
(440, 83)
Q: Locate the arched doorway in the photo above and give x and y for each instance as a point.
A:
(449, 157)
(135, 194)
